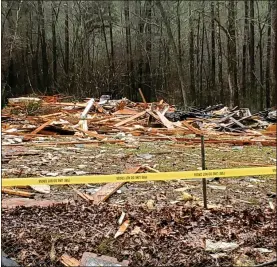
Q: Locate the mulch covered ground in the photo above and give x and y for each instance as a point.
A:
(172, 235)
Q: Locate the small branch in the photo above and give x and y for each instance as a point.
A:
(266, 264)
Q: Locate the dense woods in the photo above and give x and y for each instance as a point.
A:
(192, 53)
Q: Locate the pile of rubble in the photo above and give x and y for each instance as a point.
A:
(29, 119)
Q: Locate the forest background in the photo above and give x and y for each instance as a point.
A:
(191, 53)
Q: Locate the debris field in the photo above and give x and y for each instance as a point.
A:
(144, 223)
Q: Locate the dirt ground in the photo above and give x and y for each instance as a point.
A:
(111, 159)
(173, 229)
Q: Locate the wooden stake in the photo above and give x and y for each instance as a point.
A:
(204, 182)
(142, 96)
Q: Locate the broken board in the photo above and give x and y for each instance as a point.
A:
(108, 189)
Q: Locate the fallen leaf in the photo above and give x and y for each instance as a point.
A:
(136, 231)
(186, 196)
(244, 260)
(150, 204)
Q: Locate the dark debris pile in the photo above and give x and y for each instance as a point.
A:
(169, 236)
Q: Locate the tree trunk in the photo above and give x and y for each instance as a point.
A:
(175, 52)
(268, 59)
(191, 57)
(261, 81)
(66, 41)
(128, 92)
(274, 9)
(45, 65)
(54, 46)
(140, 37)
(148, 47)
(201, 66)
(208, 78)
(179, 30)
(111, 40)
(220, 68)
(213, 83)
(244, 52)
(252, 55)
(232, 55)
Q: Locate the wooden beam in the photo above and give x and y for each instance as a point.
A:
(108, 189)
(68, 261)
(142, 96)
(130, 118)
(168, 124)
(17, 192)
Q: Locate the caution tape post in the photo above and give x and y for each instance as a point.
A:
(139, 177)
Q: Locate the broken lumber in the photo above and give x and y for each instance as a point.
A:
(168, 124)
(84, 196)
(17, 192)
(92, 134)
(237, 122)
(37, 130)
(142, 96)
(108, 189)
(190, 127)
(66, 260)
(130, 118)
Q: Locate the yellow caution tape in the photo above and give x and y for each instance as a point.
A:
(139, 177)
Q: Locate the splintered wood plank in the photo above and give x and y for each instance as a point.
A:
(190, 127)
(108, 189)
(168, 124)
(237, 122)
(37, 130)
(84, 196)
(92, 134)
(142, 96)
(66, 260)
(16, 192)
(50, 115)
(125, 111)
(130, 119)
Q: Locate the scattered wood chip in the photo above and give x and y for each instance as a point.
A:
(121, 218)
(66, 260)
(122, 229)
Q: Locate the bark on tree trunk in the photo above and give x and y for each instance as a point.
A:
(54, 46)
(45, 64)
(66, 41)
(274, 7)
(244, 52)
(213, 83)
(191, 57)
(232, 55)
(252, 54)
(268, 59)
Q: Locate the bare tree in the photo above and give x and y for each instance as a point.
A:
(175, 52)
